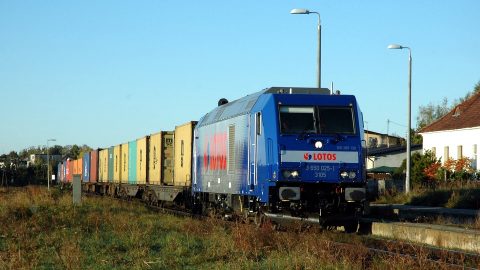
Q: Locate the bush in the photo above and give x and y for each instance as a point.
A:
(432, 198)
(420, 164)
(464, 199)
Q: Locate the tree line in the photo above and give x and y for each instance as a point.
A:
(15, 172)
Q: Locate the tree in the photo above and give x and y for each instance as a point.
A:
(71, 151)
(415, 137)
(420, 163)
(13, 155)
(84, 149)
(75, 151)
(55, 150)
(431, 112)
(476, 89)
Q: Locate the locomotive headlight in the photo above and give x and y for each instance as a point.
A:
(344, 174)
(290, 174)
(318, 144)
(352, 175)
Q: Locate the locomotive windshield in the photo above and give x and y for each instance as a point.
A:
(297, 119)
(320, 120)
(336, 120)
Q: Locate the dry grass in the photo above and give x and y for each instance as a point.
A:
(41, 230)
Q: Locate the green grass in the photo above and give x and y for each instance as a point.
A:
(42, 230)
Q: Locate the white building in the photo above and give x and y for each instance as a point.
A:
(457, 134)
(389, 157)
(43, 157)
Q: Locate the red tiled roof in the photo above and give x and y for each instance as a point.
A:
(464, 115)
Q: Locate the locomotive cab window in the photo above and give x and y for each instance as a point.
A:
(319, 120)
(294, 120)
(336, 120)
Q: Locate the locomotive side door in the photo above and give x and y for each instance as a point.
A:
(255, 132)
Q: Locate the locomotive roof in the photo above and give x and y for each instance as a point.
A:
(244, 105)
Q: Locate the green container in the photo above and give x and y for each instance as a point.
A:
(132, 162)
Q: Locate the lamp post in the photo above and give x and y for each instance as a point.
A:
(407, 176)
(48, 164)
(319, 58)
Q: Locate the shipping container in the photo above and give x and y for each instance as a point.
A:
(160, 169)
(124, 167)
(132, 162)
(117, 166)
(59, 172)
(103, 166)
(142, 159)
(111, 160)
(94, 166)
(73, 166)
(69, 170)
(64, 175)
(77, 167)
(86, 167)
(183, 154)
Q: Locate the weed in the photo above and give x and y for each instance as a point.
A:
(44, 230)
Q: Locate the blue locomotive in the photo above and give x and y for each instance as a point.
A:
(285, 152)
(290, 152)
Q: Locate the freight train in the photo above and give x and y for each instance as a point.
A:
(281, 152)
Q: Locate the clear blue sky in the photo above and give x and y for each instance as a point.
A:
(106, 72)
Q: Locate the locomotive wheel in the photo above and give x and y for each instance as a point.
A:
(351, 227)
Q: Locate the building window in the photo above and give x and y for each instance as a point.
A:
(434, 151)
(446, 155)
(474, 157)
(459, 152)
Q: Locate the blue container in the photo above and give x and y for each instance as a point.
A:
(64, 176)
(110, 164)
(132, 162)
(86, 167)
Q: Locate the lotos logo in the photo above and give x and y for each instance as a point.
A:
(320, 156)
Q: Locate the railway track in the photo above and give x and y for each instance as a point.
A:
(452, 259)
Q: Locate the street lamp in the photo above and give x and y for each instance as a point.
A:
(306, 11)
(400, 47)
(48, 164)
